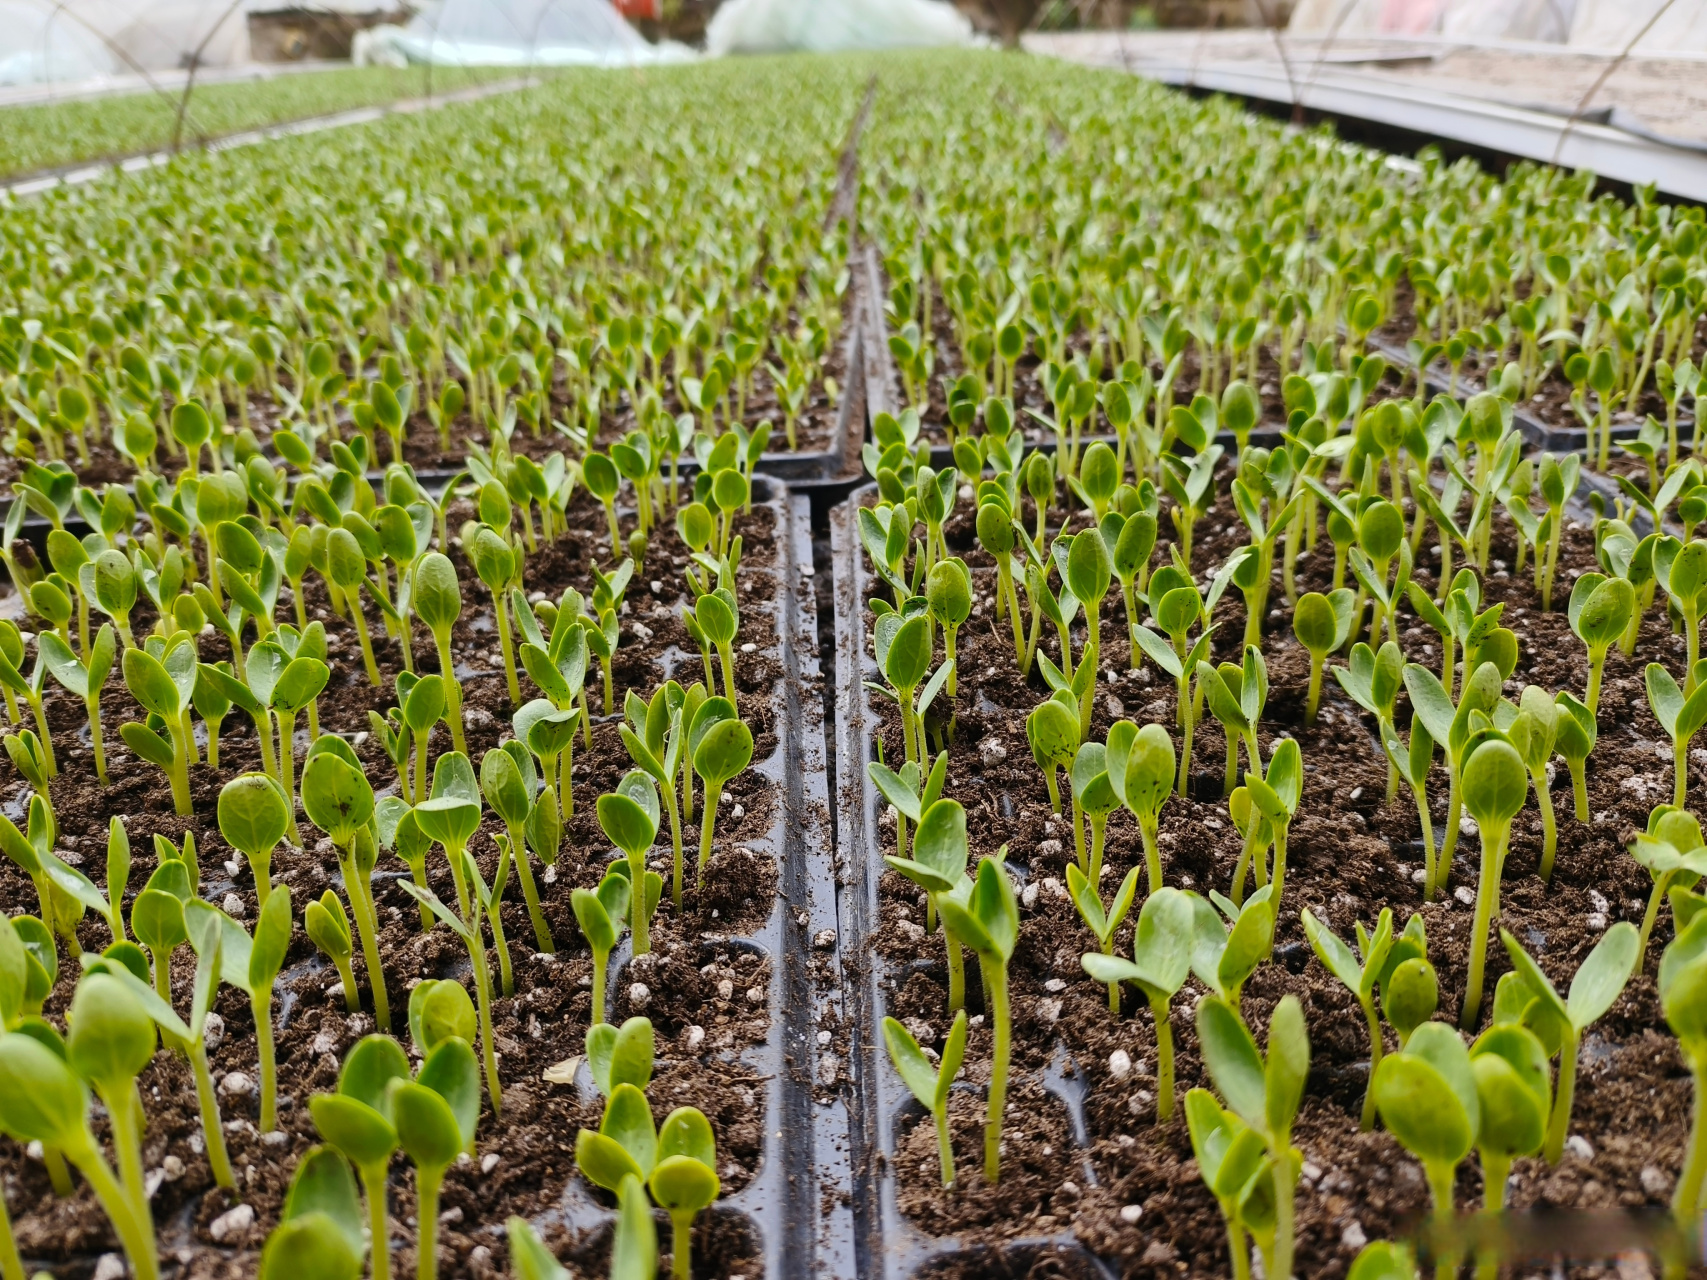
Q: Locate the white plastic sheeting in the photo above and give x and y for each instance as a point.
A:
(1548, 20)
(771, 26)
(1610, 26)
(42, 40)
(516, 33)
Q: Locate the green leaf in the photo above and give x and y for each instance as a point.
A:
(427, 1128)
(1601, 978)
(1421, 1109)
(253, 813)
(1231, 1057)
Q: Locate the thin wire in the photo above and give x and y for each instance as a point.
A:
(1604, 76)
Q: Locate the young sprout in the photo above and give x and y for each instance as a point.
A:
(422, 706)
(511, 788)
(298, 685)
(338, 799)
(1223, 957)
(1276, 796)
(1496, 783)
(496, 563)
(1232, 1162)
(1558, 481)
(1681, 568)
(42, 1101)
(254, 815)
(1671, 849)
(435, 1116)
(722, 748)
(1373, 680)
(998, 535)
(1359, 977)
(1095, 797)
(1264, 1093)
(438, 603)
(550, 736)
(85, 679)
(927, 1083)
(1322, 624)
(328, 928)
(1103, 924)
(357, 1120)
(490, 899)
(629, 818)
(1161, 961)
(1428, 1100)
(111, 1039)
(938, 866)
(718, 618)
(1598, 983)
(601, 916)
(600, 476)
(948, 588)
(1600, 610)
(467, 926)
(348, 573)
(904, 651)
(1534, 731)
(1147, 780)
(320, 1227)
(253, 693)
(1236, 697)
(1680, 716)
(656, 738)
(1052, 730)
(1449, 726)
(903, 791)
(165, 699)
(1577, 733)
(1683, 997)
(621, 1055)
(988, 922)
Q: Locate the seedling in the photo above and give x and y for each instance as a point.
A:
(1681, 568)
(42, 1101)
(1600, 610)
(948, 588)
(1450, 727)
(328, 928)
(722, 748)
(497, 565)
(938, 866)
(254, 815)
(165, 696)
(1146, 783)
(338, 799)
(85, 679)
(927, 1083)
(1322, 623)
(904, 651)
(1533, 728)
(1103, 924)
(511, 788)
(1228, 942)
(438, 603)
(1359, 976)
(1496, 784)
(1373, 680)
(434, 1116)
(1161, 960)
(111, 1040)
(1671, 849)
(1577, 733)
(1410, 990)
(1231, 1160)
(1094, 796)
(320, 1227)
(621, 1055)
(1276, 796)
(1264, 1093)
(1236, 697)
(298, 685)
(358, 1121)
(1428, 1100)
(1680, 716)
(1683, 997)
(601, 916)
(1052, 730)
(1596, 987)
(629, 818)
(657, 743)
(902, 790)
(467, 926)
(988, 922)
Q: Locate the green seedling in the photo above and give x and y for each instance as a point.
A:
(298, 685)
(1322, 624)
(166, 697)
(1514, 1093)
(656, 738)
(434, 1116)
(1410, 989)
(253, 694)
(722, 748)
(438, 603)
(511, 789)
(929, 1084)
(467, 926)
(1558, 481)
(440, 1008)
(490, 900)
(1680, 715)
(254, 815)
(41, 1100)
(1596, 987)
(948, 588)
(422, 707)
(496, 563)
(938, 866)
(1683, 997)
(531, 1260)
(904, 651)
(1412, 761)
(111, 1039)
(1577, 734)
(718, 620)
(621, 1055)
(1681, 568)
(1672, 851)
(396, 829)
(358, 1121)
(1275, 796)
(1450, 727)
(328, 928)
(1533, 728)
(1236, 696)
(1161, 960)
(903, 791)
(85, 679)
(1232, 1161)
(988, 922)
(1373, 680)
(1228, 942)
(338, 799)
(348, 574)
(1600, 610)
(320, 1227)
(1264, 1093)
(1496, 783)
(1359, 970)
(1094, 796)
(1052, 730)
(157, 919)
(601, 916)
(1146, 782)
(1428, 1100)
(629, 818)
(1102, 924)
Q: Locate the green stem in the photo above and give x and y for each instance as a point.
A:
(212, 1133)
(1164, 1061)
(1579, 787)
(1591, 696)
(1441, 1175)
(956, 970)
(681, 1243)
(675, 843)
(944, 1148)
(995, 973)
(1687, 1197)
(1237, 1246)
(367, 925)
(1449, 842)
(707, 821)
(1661, 885)
(137, 1240)
(11, 1265)
(1279, 832)
(1487, 903)
(1549, 824)
(600, 963)
(57, 1173)
(1375, 1050)
(637, 917)
(124, 1109)
(1559, 1123)
(1152, 855)
(524, 871)
(287, 777)
(264, 731)
(725, 659)
(94, 708)
(1680, 771)
(483, 991)
(357, 617)
(1281, 1168)
(503, 612)
(352, 993)
(1314, 700)
(261, 1006)
(427, 1182)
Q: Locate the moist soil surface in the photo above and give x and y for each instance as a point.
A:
(1351, 853)
(702, 982)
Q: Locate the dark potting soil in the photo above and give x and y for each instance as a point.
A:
(1351, 853)
(700, 984)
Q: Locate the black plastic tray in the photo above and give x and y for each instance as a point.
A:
(788, 1207)
(887, 1245)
